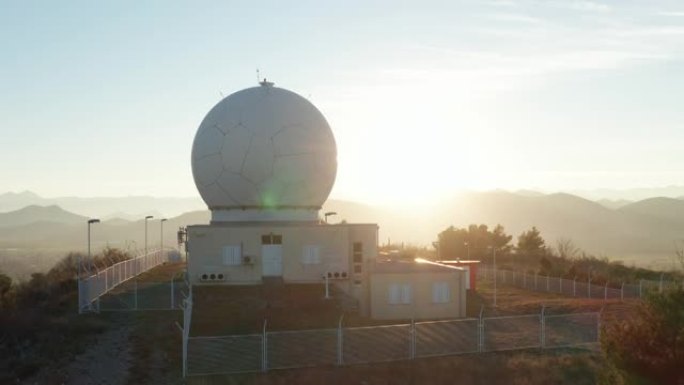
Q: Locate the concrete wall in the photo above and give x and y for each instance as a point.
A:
(421, 306)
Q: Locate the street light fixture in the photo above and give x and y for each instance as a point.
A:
(146, 219)
(329, 213)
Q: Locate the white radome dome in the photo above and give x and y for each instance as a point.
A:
(264, 149)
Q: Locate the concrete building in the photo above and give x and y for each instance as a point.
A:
(264, 160)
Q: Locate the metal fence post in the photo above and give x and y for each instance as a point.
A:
(173, 299)
(542, 327)
(340, 350)
(480, 340)
(412, 341)
(598, 324)
(547, 283)
(535, 281)
(605, 292)
(80, 294)
(560, 284)
(525, 280)
(622, 292)
(574, 287)
(660, 286)
(264, 349)
(640, 281)
(135, 294)
(589, 288)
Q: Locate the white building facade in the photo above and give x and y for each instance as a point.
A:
(264, 160)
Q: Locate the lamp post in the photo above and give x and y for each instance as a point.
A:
(90, 222)
(78, 278)
(161, 236)
(494, 257)
(146, 219)
(467, 245)
(329, 213)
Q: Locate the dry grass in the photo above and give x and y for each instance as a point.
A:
(163, 273)
(225, 310)
(512, 300)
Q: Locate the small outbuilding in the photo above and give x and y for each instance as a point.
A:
(416, 290)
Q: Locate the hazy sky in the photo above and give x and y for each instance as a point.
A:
(104, 98)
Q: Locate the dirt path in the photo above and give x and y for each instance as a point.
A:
(106, 362)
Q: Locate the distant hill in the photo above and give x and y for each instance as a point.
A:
(131, 207)
(630, 235)
(639, 231)
(33, 213)
(633, 194)
(613, 204)
(664, 208)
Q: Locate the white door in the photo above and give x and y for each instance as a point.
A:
(272, 260)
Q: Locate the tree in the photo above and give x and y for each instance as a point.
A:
(452, 243)
(566, 248)
(501, 240)
(531, 244)
(5, 287)
(649, 346)
(475, 242)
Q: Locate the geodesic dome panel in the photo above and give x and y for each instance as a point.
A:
(264, 147)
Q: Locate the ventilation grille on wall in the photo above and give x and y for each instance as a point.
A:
(212, 277)
(337, 275)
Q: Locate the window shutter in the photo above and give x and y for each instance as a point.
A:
(394, 294)
(232, 255)
(311, 255)
(441, 292)
(406, 294)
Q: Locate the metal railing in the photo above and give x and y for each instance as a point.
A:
(573, 287)
(209, 355)
(91, 288)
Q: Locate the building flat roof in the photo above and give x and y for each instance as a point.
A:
(460, 261)
(280, 224)
(404, 267)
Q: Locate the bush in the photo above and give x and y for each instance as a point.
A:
(648, 347)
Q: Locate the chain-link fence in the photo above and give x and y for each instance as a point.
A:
(92, 288)
(134, 295)
(358, 345)
(572, 287)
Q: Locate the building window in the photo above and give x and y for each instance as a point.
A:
(399, 294)
(357, 269)
(441, 292)
(232, 255)
(358, 247)
(311, 255)
(271, 239)
(357, 256)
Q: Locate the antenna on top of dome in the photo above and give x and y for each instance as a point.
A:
(258, 76)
